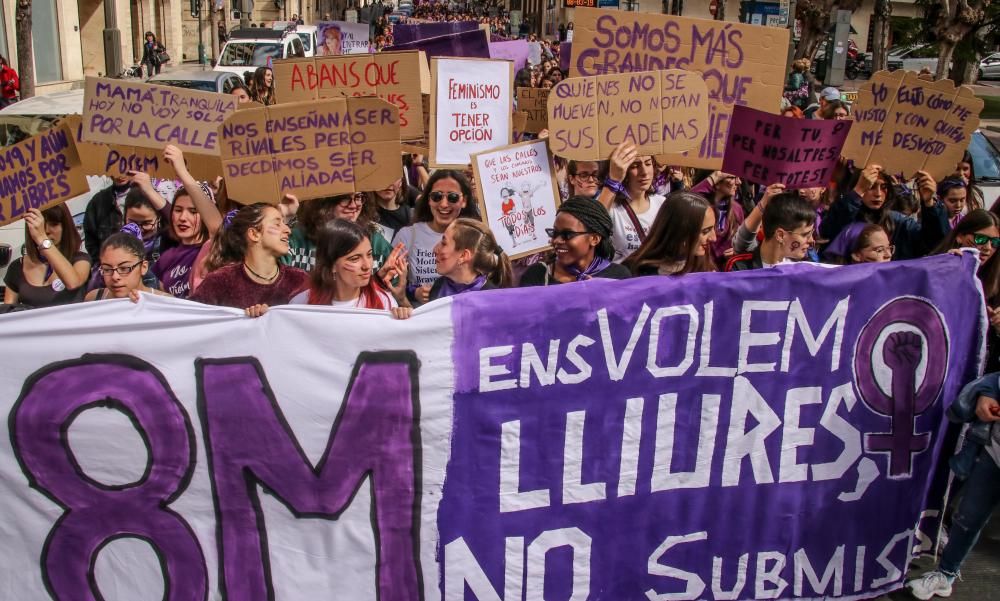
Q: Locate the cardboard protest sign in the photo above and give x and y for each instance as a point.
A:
(117, 111)
(742, 64)
(341, 37)
(398, 77)
(517, 187)
(533, 102)
(518, 121)
(770, 149)
(39, 172)
(468, 44)
(310, 149)
(907, 124)
(118, 159)
(659, 111)
(471, 103)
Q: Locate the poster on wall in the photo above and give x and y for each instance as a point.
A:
(519, 195)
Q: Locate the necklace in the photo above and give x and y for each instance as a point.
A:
(260, 277)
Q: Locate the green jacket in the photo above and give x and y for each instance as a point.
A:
(302, 251)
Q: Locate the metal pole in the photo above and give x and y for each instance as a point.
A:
(245, 14)
(201, 36)
(112, 39)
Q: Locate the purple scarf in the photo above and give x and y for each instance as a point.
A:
(450, 288)
(596, 266)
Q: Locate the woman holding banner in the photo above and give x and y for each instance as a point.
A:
(872, 199)
(344, 274)
(244, 270)
(469, 259)
(581, 239)
(123, 266)
(53, 270)
(628, 197)
(679, 242)
(446, 197)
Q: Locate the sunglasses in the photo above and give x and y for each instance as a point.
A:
(453, 197)
(565, 235)
(983, 239)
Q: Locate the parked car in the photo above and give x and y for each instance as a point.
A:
(989, 67)
(986, 164)
(913, 58)
(250, 48)
(199, 79)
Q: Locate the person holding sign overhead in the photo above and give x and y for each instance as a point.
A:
(446, 197)
(628, 197)
(581, 239)
(469, 259)
(872, 200)
(53, 270)
(679, 242)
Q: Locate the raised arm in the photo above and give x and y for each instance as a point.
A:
(208, 210)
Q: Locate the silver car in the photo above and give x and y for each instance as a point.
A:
(198, 79)
(989, 67)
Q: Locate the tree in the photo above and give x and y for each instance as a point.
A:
(25, 58)
(951, 22)
(815, 17)
(883, 18)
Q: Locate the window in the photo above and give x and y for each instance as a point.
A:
(249, 54)
(296, 48)
(228, 84)
(45, 41)
(306, 40)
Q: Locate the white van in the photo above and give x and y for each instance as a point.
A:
(307, 33)
(250, 48)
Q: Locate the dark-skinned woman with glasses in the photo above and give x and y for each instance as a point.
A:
(123, 265)
(581, 243)
(446, 197)
(314, 215)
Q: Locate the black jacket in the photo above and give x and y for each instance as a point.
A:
(101, 219)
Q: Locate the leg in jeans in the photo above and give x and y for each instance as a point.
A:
(981, 493)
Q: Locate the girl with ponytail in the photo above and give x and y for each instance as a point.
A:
(243, 263)
(468, 258)
(123, 266)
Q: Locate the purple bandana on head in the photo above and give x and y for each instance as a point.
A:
(132, 229)
(228, 219)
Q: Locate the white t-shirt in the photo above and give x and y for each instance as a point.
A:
(302, 298)
(419, 239)
(624, 236)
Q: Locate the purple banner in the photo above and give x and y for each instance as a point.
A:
(767, 434)
(468, 44)
(412, 32)
(771, 149)
(565, 49)
(514, 50)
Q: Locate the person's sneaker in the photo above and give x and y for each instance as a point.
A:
(931, 584)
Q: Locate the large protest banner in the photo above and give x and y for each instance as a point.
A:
(310, 149)
(397, 77)
(767, 434)
(770, 149)
(519, 195)
(906, 124)
(743, 64)
(130, 113)
(471, 103)
(658, 111)
(468, 44)
(39, 172)
(404, 33)
(512, 50)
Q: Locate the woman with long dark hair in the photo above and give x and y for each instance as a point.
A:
(151, 50)
(722, 191)
(53, 270)
(358, 207)
(582, 249)
(629, 198)
(262, 86)
(679, 241)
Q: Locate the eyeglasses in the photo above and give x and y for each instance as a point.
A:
(453, 197)
(121, 269)
(983, 239)
(884, 250)
(355, 199)
(586, 176)
(148, 225)
(564, 235)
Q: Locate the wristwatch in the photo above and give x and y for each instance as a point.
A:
(46, 244)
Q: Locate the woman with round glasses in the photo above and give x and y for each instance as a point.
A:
(123, 265)
(315, 214)
(583, 178)
(53, 270)
(446, 197)
(581, 243)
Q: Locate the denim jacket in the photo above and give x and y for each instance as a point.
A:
(963, 411)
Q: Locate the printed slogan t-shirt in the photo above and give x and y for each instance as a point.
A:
(419, 239)
(174, 267)
(624, 237)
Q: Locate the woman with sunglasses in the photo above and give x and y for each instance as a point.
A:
(628, 197)
(243, 267)
(680, 239)
(581, 242)
(872, 199)
(313, 215)
(789, 222)
(468, 259)
(344, 275)
(53, 270)
(447, 197)
(123, 266)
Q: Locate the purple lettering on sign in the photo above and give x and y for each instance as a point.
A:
(375, 437)
(95, 513)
